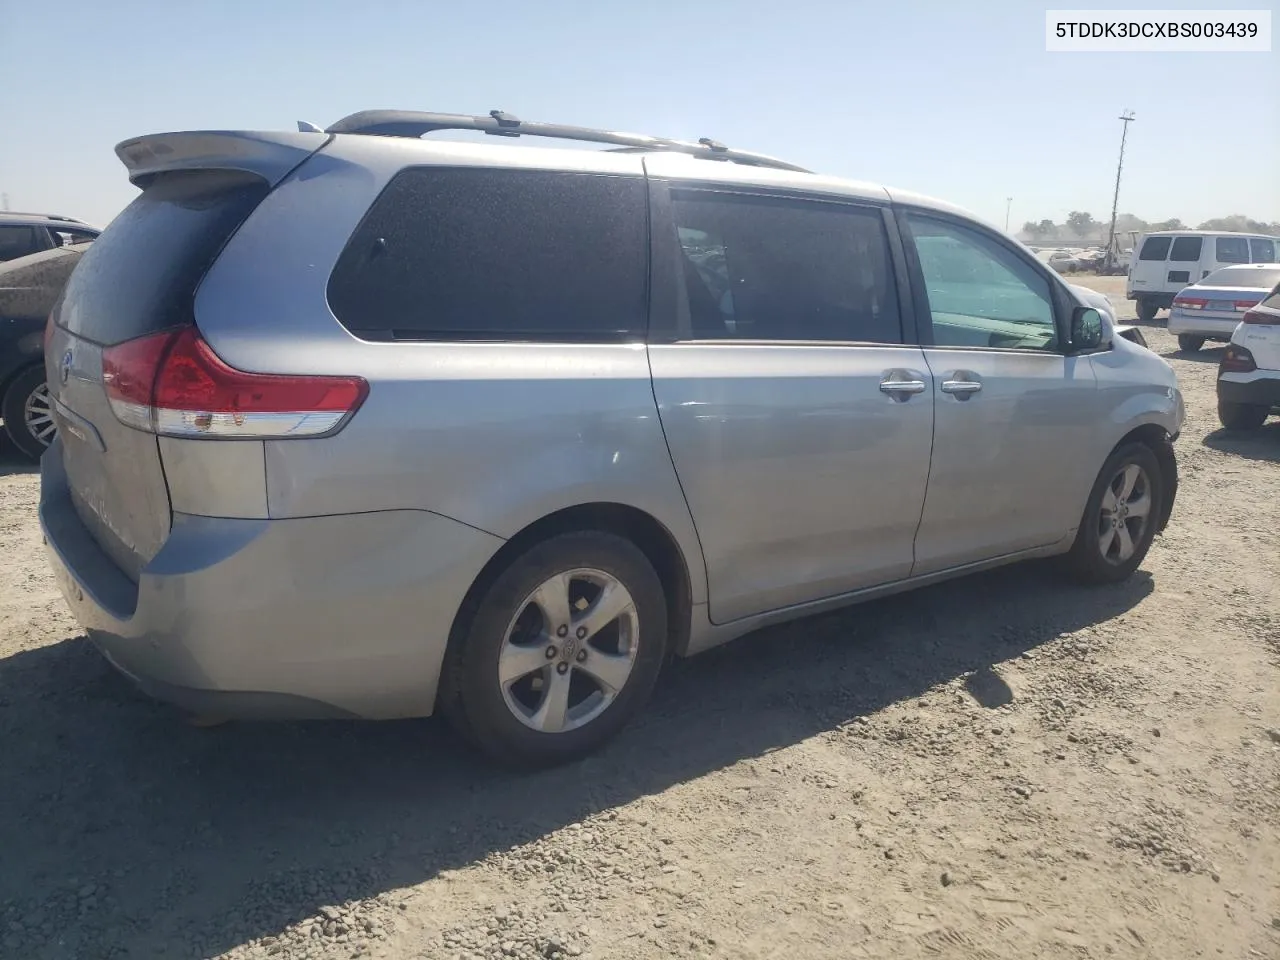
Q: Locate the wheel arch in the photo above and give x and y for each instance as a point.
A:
(649, 534)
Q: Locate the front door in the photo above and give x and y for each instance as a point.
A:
(798, 422)
(1013, 416)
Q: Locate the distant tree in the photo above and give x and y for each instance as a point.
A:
(1082, 224)
(1171, 224)
(1048, 228)
(1127, 221)
(1236, 223)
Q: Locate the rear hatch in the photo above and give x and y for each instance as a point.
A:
(1260, 332)
(138, 278)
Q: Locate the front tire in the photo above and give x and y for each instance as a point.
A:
(562, 650)
(1189, 344)
(1121, 517)
(1241, 416)
(1147, 311)
(28, 412)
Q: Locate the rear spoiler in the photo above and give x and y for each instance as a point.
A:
(272, 156)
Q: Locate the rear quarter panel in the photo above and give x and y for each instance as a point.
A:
(495, 436)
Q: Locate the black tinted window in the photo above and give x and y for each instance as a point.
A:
(1155, 248)
(766, 269)
(140, 275)
(459, 254)
(1186, 249)
(1231, 250)
(1264, 251)
(16, 242)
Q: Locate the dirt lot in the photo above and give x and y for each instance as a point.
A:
(998, 767)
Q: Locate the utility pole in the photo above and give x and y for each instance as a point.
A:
(1008, 203)
(1108, 260)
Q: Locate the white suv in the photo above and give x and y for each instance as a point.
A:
(1249, 373)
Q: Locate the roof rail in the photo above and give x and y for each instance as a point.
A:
(414, 124)
(40, 216)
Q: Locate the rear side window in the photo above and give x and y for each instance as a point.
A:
(761, 268)
(140, 275)
(65, 238)
(1155, 248)
(1186, 249)
(472, 254)
(1231, 250)
(1264, 251)
(17, 242)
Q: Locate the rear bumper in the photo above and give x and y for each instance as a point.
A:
(1259, 389)
(300, 618)
(1208, 327)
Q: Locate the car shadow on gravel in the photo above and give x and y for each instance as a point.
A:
(1262, 444)
(1203, 355)
(125, 832)
(12, 460)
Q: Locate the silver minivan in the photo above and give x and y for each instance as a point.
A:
(355, 424)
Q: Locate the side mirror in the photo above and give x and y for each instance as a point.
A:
(1088, 331)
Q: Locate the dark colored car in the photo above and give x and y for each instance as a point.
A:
(22, 234)
(29, 287)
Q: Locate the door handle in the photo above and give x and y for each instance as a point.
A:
(962, 389)
(902, 390)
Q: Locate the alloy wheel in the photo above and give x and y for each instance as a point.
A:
(569, 650)
(37, 415)
(1125, 513)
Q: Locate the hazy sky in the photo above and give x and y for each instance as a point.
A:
(951, 99)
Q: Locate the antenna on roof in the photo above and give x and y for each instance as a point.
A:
(305, 127)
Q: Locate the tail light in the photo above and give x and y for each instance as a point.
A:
(1259, 316)
(1190, 303)
(1243, 305)
(1236, 359)
(172, 383)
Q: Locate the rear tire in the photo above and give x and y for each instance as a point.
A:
(1121, 518)
(1241, 416)
(524, 690)
(1147, 311)
(28, 412)
(1189, 344)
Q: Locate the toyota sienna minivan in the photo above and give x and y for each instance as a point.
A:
(357, 424)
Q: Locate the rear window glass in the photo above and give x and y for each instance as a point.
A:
(1242, 277)
(140, 275)
(1186, 249)
(1231, 250)
(1264, 251)
(1155, 248)
(462, 254)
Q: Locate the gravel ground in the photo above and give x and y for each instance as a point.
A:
(1001, 766)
